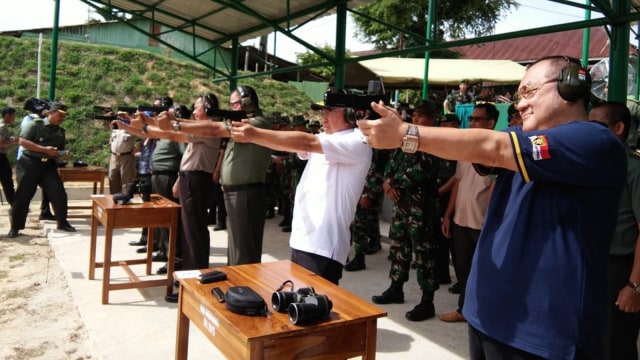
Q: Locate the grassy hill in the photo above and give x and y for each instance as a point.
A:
(91, 75)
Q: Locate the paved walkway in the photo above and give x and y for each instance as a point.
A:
(139, 324)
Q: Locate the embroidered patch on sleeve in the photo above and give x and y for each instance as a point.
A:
(540, 149)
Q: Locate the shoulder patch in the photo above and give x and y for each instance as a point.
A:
(540, 147)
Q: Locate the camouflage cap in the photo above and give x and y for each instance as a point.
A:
(299, 120)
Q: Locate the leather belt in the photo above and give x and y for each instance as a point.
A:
(122, 154)
(164, 172)
(231, 188)
(194, 172)
(43, 159)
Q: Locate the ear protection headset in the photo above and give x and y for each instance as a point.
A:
(248, 98)
(574, 81)
(350, 116)
(209, 102)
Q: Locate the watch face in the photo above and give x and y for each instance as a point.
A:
(410, 144)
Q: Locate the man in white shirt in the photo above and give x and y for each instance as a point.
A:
(329, 189)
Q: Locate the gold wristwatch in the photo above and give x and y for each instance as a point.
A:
(634, 286)
(411, 140)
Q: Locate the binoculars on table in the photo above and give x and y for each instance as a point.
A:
(303, 306)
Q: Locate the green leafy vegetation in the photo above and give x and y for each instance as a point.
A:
(90, 75)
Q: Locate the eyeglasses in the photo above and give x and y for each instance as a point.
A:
(478, 118)
(528, 91)
(231, 103)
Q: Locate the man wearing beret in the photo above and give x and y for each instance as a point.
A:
(43, 141)
(458, 97)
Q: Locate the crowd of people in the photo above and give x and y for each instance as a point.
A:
(538, 219)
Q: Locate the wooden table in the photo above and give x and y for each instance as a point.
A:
(159, 212)
(350, 331)
(92, 174)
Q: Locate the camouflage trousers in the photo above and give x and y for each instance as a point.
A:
(411, 235)
(365, 227)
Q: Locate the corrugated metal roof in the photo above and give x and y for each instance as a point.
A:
(527, 49)
(220, 21)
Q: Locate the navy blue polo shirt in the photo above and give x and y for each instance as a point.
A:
(538, 278)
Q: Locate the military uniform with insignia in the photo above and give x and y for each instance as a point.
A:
(43, 141)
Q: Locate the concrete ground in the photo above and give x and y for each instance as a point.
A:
(139, 324)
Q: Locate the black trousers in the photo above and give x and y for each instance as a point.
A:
(246, 210)
(162, 184)
(622, 327)
(323, 266)
(195, 191)
(6, 178)
(221, 209)
(465, 240)
(32, 172)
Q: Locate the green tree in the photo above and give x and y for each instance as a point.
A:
(309, 57)
(455, 19)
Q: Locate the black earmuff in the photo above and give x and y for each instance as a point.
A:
(574, 81)
(210, 103)
(248, 98)
(350, 116)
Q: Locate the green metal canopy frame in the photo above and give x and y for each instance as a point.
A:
(229, 22)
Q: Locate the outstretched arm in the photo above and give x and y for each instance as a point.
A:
(292, 141)
(482, 146)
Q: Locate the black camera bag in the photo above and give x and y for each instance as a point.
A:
(243, 300)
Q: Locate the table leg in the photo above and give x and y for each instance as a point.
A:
(171, 256)
(182, 329)
(149, 249)
(92, 251)
(106, 267)
(370, 346)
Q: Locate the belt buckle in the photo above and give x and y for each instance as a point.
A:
(44, 159)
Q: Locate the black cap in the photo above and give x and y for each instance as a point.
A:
(299, 120)
(449, 118)
(58, 106)
(427, 107)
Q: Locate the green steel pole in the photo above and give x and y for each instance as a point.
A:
(235, 55)
(619, 54)
(341, 30)
(427, 54)
(54, 52)
(637, 94)
(586, 36)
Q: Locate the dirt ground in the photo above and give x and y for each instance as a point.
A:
(38, 317)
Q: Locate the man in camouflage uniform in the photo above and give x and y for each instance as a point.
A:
(411, 183)
(462, 96)
(365, 229)
(315, 126)
(272, 181)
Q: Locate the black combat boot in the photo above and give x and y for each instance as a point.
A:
(424, 310)
(393, 295)
(373, 246)
(356, 264)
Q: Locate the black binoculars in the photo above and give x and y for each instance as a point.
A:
(304, 306)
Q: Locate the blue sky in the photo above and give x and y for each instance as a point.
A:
(28, 14)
